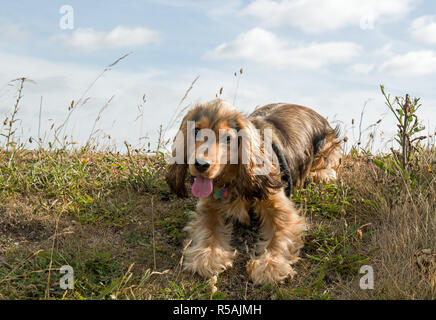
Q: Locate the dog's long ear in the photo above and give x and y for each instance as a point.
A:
(176, 179)
(178, 167)
(252, 182)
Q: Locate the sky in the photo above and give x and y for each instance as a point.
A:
(330, 55)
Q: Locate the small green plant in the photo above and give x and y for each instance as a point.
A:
(198, 292)
(324, 200)
(335, 251)
(10, 123)
(146, 173)
(404, 110)
(173, 225)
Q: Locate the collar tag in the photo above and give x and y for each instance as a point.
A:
(222, 193)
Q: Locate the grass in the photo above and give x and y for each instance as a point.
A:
(112, 218)
(121, 245)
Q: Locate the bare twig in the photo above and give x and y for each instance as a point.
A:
(82, 100)
(97, 119)
(179, 111)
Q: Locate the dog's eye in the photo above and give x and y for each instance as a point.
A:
(197, 130)
(228, 138)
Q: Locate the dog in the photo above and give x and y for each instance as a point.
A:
(302, 146)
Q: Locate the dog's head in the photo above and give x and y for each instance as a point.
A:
(217, 144)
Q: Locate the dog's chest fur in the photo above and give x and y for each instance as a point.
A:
(236, 207)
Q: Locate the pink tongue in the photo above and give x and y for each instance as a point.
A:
(202, 187)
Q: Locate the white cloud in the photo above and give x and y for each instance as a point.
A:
(362, 68)
(385, 51)
(323, 15)
(12, 33)
(266, 48)
(89, 39)
(414, 63)
(423, 29)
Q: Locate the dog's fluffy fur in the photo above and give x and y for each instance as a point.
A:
(311, 149)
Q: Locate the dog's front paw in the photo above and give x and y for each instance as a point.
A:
(269, 269)
(208, 261)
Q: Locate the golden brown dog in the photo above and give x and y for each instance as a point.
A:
(252, 165)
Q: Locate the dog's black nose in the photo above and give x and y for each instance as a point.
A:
(202, 165)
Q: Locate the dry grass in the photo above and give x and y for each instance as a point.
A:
(108, 223)
(403, 222)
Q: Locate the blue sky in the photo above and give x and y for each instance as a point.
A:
(330, 55)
